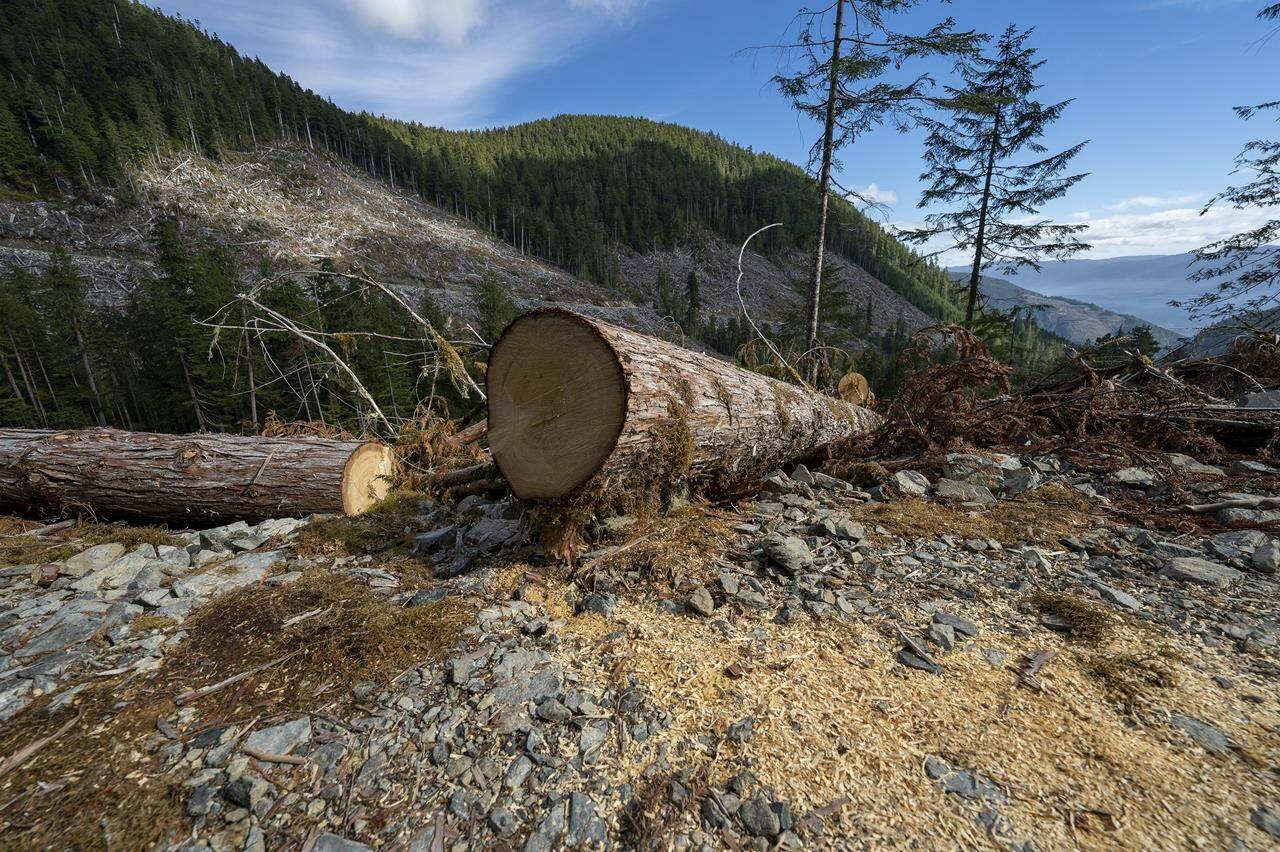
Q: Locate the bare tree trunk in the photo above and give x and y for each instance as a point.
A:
(975, 276)
(824, 190)
(88, 372)
(191, 392)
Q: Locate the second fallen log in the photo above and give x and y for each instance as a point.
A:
(204, 478)
(577, 404)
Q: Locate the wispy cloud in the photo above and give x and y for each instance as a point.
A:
(449, 21)
(1152, 201)
(875, 194)
(440, 62)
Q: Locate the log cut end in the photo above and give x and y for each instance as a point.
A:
(557, 403)
(367, 477)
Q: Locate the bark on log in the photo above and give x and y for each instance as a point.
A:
(187, 478)
(577, 402)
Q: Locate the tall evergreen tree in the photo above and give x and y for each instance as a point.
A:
(852, 79)
(692, 303)
(1244, 269)
(972, 167)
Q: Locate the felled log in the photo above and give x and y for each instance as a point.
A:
(576, 403)
(207, 478)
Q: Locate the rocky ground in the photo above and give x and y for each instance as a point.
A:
(990, 652)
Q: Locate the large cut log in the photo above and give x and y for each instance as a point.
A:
(188, 478)
(578, 404)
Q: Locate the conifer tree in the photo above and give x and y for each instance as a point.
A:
(972, 167)
(692, 303)
(853, 80)
(1244, 269)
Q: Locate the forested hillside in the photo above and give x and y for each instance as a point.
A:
(94, 87)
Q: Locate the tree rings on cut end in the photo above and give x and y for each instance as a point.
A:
(557, 403)
(367, 477)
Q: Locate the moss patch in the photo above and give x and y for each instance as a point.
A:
(1087, 622)
(382, 528)
(18, 549)
(1042, 516)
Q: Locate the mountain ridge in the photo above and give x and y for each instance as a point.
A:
(1076, 320)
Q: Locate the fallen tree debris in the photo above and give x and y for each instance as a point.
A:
(149, 476)
(576, 404)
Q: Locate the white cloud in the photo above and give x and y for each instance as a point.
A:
(446, 21)
(439, 62)
(1153, 201)
(617, 8)
(876, 195)
(1166, 231)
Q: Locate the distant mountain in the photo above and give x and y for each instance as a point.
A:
(1139, 285)
(1217, 338)
(1075, 320)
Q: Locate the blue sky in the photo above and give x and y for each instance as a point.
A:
(1153, 83)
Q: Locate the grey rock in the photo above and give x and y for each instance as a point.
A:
(1120, 598)
(1133, 477)
(974, 469)
(14, 698)
(330, 842)
(463, 665)
(586, 828)
(281, 739)
(1212, 739)
(549, 832)
(1266, 819)
(841, 527)
(759, 818)
(1187, 464)
(502, 821)
(517, 772)
(955, 491)
(244, 570)
(1245, 466)
(93, 559)
(942, 635)
(1260, 399)
(913, 660)
(961, 625)
(423, 597)
(552, 710)
(427, 542)
(700, 601)
(1266, 559)
(246, 791)
(1201, 572)
(911, 483)
(592, 738)
(1022, 480)
(218, 538)
(787, 552)
(200, 802)
(491, 533)
(1231, 517)
(966, 783)
(600, 603)
(742, 730)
